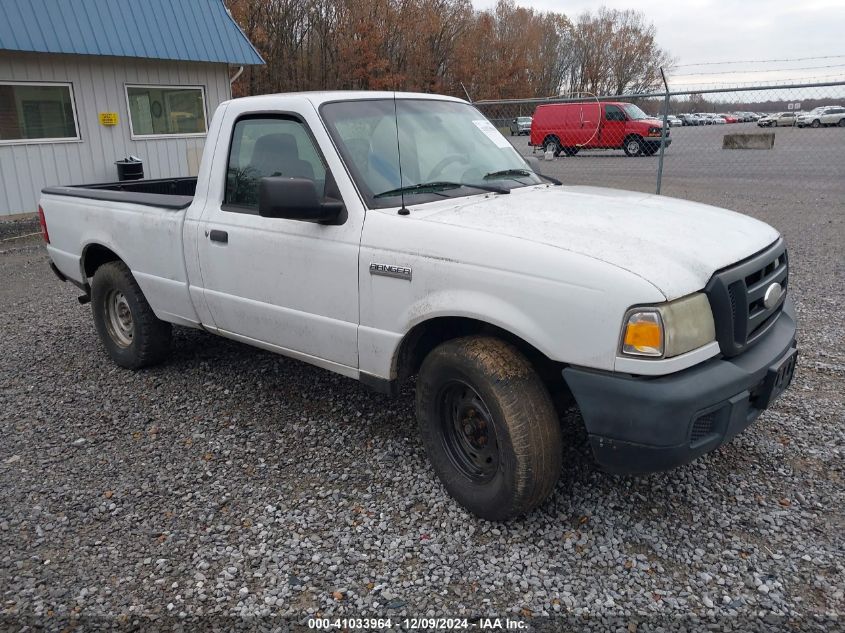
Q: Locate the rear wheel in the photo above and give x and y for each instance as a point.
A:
(552, 145)
(488, 426)
(633, 146)
(129, 329)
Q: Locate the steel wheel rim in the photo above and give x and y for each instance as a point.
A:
(633, 147)
(468, 432)
(551, 147)
(119, 320)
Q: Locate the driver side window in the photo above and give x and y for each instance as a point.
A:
(269, 146)
(613, 113)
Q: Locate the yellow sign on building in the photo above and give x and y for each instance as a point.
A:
(108, 118)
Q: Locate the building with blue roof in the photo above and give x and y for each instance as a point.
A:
(84, 83)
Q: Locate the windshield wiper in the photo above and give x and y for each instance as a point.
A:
(507, 172)
(436, 187)
(520, 172)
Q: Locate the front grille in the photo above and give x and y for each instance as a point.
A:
(737, 293)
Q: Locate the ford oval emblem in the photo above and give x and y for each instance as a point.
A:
(772, 296)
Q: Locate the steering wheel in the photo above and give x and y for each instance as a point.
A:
(439, 167)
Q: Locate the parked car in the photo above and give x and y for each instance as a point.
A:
(674, 121)
(569, 127)
(670, 322)
(728, 118)
(781, 119)
(521, 125)
(715, 119)
(816, 116)
(690, 119)
(834, 116)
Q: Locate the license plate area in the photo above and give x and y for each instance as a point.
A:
(777, 379)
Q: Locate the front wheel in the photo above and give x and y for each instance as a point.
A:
(129, 329)
(841, 123)
(815, 123)
(488, 426)
(633, 146)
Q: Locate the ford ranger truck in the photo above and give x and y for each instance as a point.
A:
(384, 236)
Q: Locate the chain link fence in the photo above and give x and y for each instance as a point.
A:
(699, 145)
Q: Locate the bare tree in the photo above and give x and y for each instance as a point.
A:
(437, 45)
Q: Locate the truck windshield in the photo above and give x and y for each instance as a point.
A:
(439, 142)
(634, 112)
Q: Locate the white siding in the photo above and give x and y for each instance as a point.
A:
(98, 86)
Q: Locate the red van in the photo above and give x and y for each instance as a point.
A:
(569, 127)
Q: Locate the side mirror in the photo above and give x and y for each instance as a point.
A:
(294, 199)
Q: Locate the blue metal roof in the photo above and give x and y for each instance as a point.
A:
(185, 30)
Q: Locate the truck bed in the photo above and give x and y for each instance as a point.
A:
(167, 193)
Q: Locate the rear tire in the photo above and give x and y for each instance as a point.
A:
(552, 145)
(129, 329)
(488, 426)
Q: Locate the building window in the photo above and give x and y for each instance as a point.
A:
(37, 113)
(166, 110)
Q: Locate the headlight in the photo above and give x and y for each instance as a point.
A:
(668, 329)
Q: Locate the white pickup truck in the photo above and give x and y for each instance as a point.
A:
(385, 236)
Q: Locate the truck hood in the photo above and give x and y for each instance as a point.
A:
(674, 244)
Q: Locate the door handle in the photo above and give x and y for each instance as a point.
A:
(219, 236)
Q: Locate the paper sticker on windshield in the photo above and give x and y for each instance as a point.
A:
(492, 133)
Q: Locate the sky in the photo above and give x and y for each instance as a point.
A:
(695, 31)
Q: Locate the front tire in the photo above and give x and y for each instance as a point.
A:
(488, 426)
(633, 146)
(129, 329)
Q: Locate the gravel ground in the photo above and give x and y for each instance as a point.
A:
(230, 482)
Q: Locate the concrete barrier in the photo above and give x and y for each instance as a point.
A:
(761, 140)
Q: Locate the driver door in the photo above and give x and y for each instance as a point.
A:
(289, 285)
(613, 126)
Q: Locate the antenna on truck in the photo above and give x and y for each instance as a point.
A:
(403, 210)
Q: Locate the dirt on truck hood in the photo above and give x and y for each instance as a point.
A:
(675, 244)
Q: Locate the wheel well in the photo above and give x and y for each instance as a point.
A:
(551, 137)
(425, 336)
(94, 256)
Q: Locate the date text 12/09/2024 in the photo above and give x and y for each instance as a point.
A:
(482, 624)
